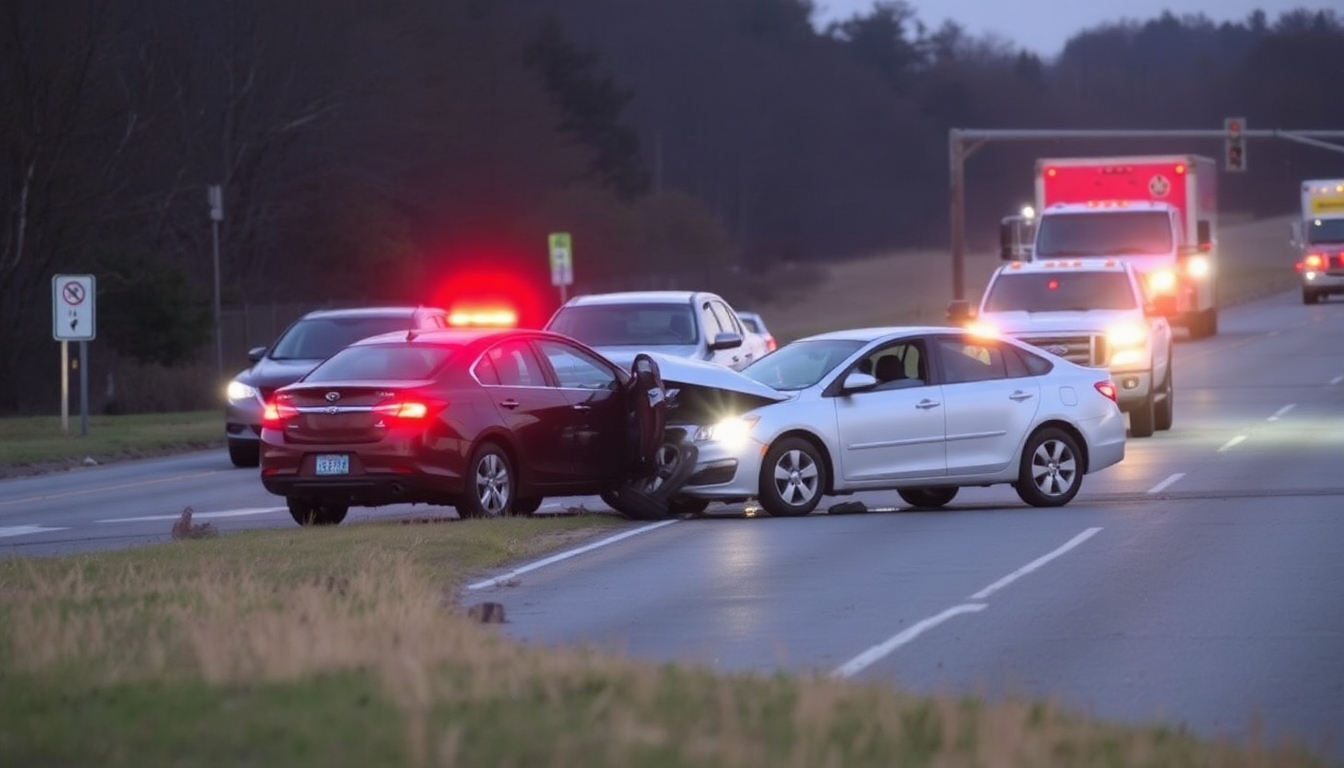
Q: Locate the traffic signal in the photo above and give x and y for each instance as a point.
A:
(1234, 146)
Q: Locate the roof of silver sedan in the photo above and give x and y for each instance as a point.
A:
(873, 334)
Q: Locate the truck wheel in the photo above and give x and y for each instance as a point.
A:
(1142, 418)
(1211, 322)
(1167, 405)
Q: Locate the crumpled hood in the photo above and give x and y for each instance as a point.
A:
(624, 356)
(1098, 320)
(272, 374)
(702, 393)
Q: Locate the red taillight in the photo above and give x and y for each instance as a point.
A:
(1107, 388)
(770, 343)
(1314, 261)
(279, 410)
(403, 409)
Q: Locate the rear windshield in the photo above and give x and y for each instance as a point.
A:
(400, 362)
(317, 338)
(627, 324)
(1325, 231)
(750, 324)
(1059, 292)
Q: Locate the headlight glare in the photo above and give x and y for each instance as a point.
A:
(1162, 281)
(733, 432)
(237, 390)
(1127, 335)
(1198, 266)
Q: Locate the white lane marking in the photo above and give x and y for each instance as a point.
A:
(123, 486)
(496, 581)
(197, 515)
(1337, 380)
(882, 650)
(26, 530)
(1233, 443)
(1162, 486)
(1282, 411)
(1034, 564)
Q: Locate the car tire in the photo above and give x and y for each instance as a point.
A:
(927, 498)
(490, 484)
(1051, 468)
(527, 506)
(245, 453)
(1143, 418)
(1166, 407)
(313, 512)
(635, 504)
(793, 478)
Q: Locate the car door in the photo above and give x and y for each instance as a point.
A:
(738, 357)
(894, 431)
(600, 443)
(538, 415)
(988, 412)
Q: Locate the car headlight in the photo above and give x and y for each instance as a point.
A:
(1162, 281)
(1198, 266)
(237, 390)
(732, 432)
(1127, 335)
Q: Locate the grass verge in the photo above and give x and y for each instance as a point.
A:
(346, 646)
(31, 444)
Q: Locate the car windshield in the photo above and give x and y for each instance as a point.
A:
(317, 338)
(1103, 233)
(801, 364)
(1059, 291)
(1325, 231)
(614, 325)
(383, 362)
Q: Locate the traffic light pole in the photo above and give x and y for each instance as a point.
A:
(962, 142)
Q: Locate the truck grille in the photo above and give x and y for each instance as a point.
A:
(1083, 349)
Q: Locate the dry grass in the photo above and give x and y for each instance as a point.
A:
(348, 647)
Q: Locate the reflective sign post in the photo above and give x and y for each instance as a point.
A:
(562, 262)
(73, 298)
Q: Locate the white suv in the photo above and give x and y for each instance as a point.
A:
(693, 324)
(1092, 312)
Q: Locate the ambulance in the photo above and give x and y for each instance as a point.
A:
(1158, 213)
(1320, 236)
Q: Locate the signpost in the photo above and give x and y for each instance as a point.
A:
(73, 318)
(562, 262)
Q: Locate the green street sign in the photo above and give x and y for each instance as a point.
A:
(562, 259)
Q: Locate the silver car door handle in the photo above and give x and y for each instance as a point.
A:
(1019, 396)
(510, 403)
(583, 407)
(927, 404)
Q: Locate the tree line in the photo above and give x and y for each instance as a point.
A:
(367, 152)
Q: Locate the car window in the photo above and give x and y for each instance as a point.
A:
(710, 321)
(1021, 362)
(727, 318)
(967, 360)
(485, 372)
(896, 366)
(576, 369)
(317, 338)
(612, 325)
(382, 363)
(801, 364)
(515, 365)
(749, 324)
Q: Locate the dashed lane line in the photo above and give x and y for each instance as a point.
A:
(1165, 484)
(1233, 443)
(502, 579)
(1034, 564)
(882, 650)
(1279, 413)
(105, 489)
(25, 530)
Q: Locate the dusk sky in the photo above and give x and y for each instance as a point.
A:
(1044, 25)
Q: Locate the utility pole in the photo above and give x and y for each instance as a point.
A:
(216, 199)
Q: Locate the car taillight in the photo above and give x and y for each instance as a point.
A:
(1107, 388)
(770, 344)
(1314, 261)
(279, 410)
(403, 409)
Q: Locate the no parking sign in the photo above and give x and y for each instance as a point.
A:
(72, 308)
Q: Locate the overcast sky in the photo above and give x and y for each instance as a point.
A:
(1044, 25)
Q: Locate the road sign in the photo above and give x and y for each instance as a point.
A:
(72, 308)
(562, 259)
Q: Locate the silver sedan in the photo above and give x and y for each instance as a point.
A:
(923, 411)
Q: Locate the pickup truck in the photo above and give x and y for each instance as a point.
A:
(1092, 312)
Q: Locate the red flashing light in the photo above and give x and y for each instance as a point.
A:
(1107, 389)
(1180, 168)
(493, 317)
(1052, 285)
(1314, 261)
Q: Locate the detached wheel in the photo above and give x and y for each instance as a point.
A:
(1166, 407)
(793, 478)
(313, 512)
(927, 498)
(245, 453)
(687, 505)
(1051, 471)
(490, 484)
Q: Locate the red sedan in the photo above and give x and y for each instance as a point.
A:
(488, 421)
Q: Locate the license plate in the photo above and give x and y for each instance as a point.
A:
(333, 464)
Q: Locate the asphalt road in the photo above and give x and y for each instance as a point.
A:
(1198, 582)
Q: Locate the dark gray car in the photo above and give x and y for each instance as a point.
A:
(307, 342)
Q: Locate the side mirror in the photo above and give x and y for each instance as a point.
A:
(858, 380)
(1006, 239)
(960, 312)
(255, 354)
(725, 340)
